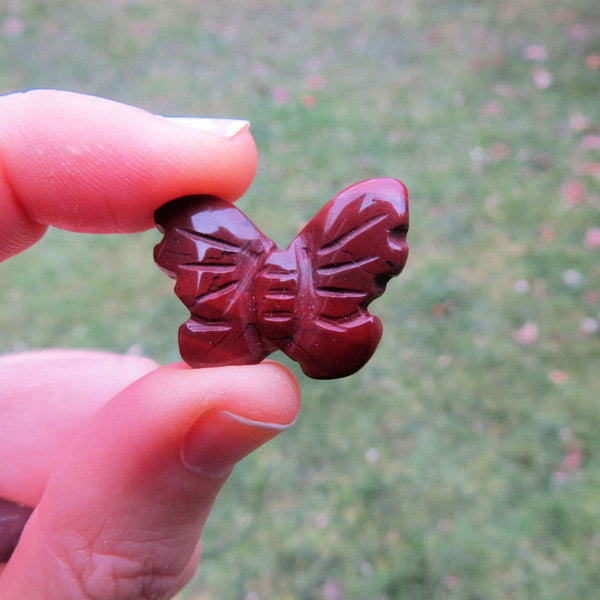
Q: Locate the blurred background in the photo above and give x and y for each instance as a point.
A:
(463, 461)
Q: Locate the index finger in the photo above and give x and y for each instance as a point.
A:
(92, 165)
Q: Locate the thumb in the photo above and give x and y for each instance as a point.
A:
(124, 508)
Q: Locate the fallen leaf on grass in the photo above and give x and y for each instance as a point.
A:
(535, 52)
(527, 334)
(592, 238)
(542, 78)
(573, 192)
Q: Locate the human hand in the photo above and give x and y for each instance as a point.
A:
(122, 459)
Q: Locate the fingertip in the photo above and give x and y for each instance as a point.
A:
(266, 392)
(215, 166)
(278, 376)
(112, 165)
(245, 147)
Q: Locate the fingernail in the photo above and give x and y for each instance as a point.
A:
(219, 439)
(226, 128)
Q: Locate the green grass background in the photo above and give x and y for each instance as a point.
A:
(437, 471)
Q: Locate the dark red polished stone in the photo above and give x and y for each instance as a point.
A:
(247, 298)
(13, 518)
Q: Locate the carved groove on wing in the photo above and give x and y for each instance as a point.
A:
(211, 240)
(347, 318)
(217, 292)
(351, 234)
(340, 292)
(280, 294)
(178, 252)
(277, 274)
(214, 267)
(333, 268)
(278, 314)
(342, 322)
(202, 324)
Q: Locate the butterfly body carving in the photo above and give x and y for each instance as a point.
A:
(247, 298)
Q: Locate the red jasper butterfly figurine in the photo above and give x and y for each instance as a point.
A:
(247, 298)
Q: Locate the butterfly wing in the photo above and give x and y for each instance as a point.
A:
(346, 255)
(212, 250)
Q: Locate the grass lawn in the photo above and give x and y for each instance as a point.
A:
(463, 462)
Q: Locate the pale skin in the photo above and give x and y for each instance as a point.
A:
(121, 458)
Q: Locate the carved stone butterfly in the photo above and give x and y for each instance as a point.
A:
(247, 298)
